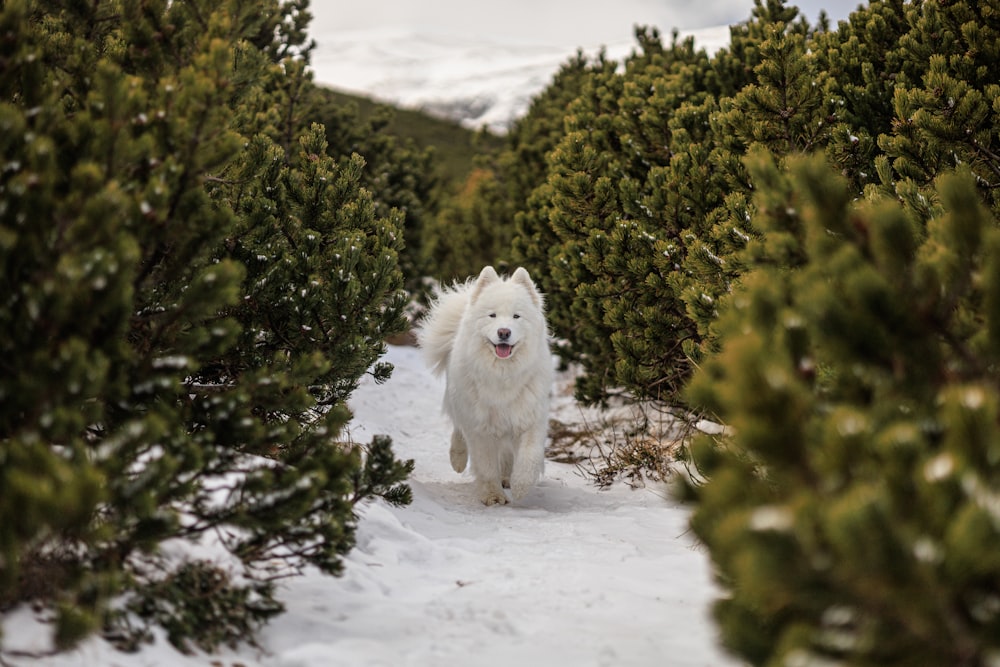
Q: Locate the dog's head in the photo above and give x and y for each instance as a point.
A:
(507, 313)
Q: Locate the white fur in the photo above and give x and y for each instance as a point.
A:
(499, 406)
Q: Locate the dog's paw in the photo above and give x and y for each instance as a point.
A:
(494, 497)
(491, 493)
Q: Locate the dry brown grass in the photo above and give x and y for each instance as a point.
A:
(635, 444)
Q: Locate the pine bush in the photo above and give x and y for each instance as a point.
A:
(849, 510)
(641, 219)
(403, 179)
(634, 203)
(199, 606)
(193, 285)
(617, 202)
(465, 234)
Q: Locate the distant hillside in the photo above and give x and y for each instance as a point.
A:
(454, 145)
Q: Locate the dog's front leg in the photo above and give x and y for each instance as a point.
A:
(487, 468)
(529, 460)
(459, 452)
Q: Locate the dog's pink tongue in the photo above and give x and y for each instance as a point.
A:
(503, 350)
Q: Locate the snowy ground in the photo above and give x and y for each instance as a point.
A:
(571, 575)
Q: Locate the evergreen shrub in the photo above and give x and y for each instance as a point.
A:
(193, 283)
(850, 509)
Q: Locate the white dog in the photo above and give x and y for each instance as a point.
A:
(490, 338)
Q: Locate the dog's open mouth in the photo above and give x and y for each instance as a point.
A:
(503, 350)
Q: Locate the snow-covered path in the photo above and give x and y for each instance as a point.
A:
(571, 575)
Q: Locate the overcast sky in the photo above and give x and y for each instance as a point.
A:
(584, 23)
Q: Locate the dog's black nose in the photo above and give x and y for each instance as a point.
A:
(503, 334)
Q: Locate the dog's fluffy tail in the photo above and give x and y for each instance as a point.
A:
(436, 335)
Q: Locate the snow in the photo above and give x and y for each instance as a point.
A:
(569, 575)
(476, 81)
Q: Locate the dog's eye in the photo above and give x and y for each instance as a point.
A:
(516, 316)
(493, 314)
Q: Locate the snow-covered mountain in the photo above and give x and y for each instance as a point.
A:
(474, 81)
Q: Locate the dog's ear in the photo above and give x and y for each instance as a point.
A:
(486, 277)
(521, 276)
